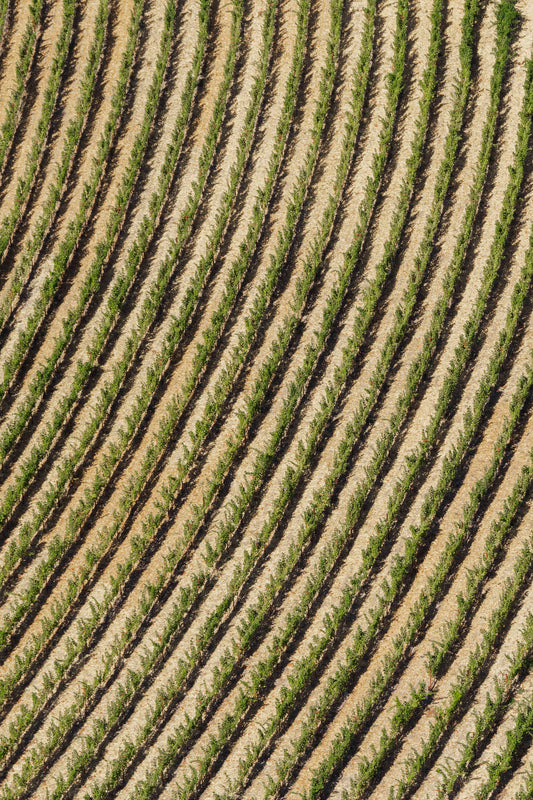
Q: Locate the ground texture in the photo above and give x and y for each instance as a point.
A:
(266, 399)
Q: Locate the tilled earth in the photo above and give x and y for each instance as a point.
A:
(266, 399)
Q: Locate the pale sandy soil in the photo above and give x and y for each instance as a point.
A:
(449, 607)
(290, 28)
(97, 127)
(89, 253)
(69, 101)
(224, 43)
(222, 583)
(454, 513)
(244, 541)
(64, 583)
(256, 29)
(363, 685)
(173, 390)
(47, 53)
(10, 56)
(522, 698)
(498, 673)
(350, 571)
(80, 559)
(293, 26)
(93, 398)
(517, 786)
(99, 219)
(84, 166)
(296, 593)
(262, 437)
(35, 213)
(88, 412)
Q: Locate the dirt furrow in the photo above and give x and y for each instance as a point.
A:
(155, 24)
(394, 185)
(416, 671)
(79, 374)
(122, 345)
(364, 686)
(442, 690)
(224, 41)
(114, 565)
(120, 414)
(246, 467)
(260, 15)
(348, 573)
(76, 194)
(98, 126)
(26, 153)
(21, 13)
(498, 674)
(266, 399)
(520, 784)
(16, 65)
(439, 275)
(522, 697)
(449, 606)
(223, 32)
(67, 305)
(45, 188)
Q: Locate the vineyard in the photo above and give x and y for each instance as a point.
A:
(266, 399)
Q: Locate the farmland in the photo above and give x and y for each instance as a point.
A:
(266, 399)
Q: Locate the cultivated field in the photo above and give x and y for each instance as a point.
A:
(266, 399)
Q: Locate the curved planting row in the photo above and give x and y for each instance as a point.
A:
(266, 384)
